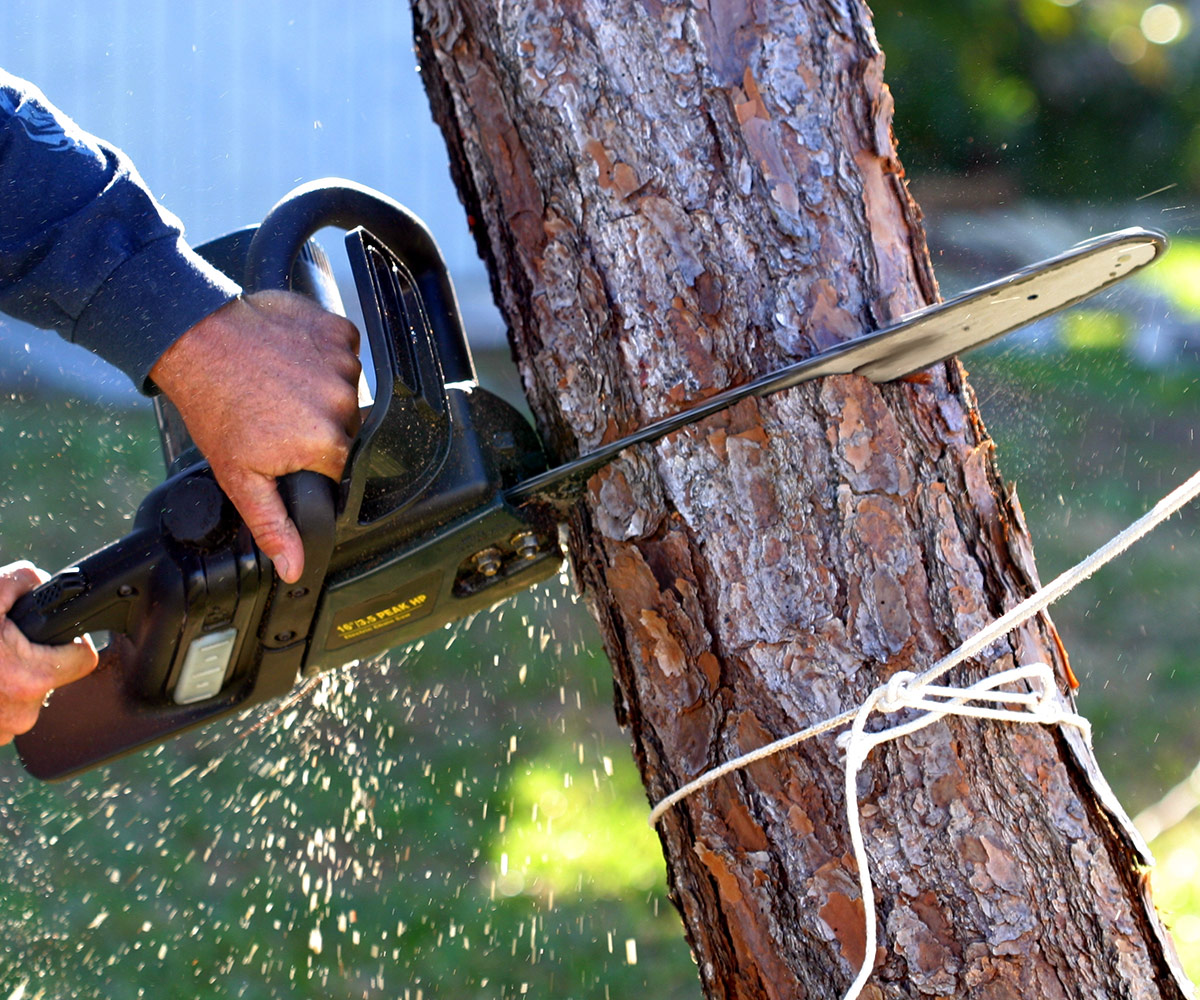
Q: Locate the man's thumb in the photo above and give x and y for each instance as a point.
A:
(257, 500)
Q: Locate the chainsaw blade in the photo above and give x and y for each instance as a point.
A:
(917, 341)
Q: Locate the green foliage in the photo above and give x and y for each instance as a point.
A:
(1069, 98)
(1086, 329)
(1092, 441)
(565, 834)
(1176, 883)
(1175, 276)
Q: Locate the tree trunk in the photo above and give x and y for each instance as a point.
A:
(673, 198)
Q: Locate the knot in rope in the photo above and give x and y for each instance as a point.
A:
(1042, 704)
(982, 700)
(895, 692)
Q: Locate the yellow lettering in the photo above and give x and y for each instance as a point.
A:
(378, 619)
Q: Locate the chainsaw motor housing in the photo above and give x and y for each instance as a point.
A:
(425, 536)
(418, 533)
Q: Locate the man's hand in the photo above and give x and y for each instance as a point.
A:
(29, 672)
(267, 385)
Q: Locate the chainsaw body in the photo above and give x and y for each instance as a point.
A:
(418, 533)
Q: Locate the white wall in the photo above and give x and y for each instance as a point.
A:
(225, 105)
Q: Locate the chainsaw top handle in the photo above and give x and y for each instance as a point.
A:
(346, 205)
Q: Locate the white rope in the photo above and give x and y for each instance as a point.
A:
(1042, 706)
(916, 691)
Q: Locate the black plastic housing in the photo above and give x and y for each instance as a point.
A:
(417, 534)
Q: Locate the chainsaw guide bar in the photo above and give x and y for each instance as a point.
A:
(916, 341)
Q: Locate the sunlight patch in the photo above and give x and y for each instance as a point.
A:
(580, 834)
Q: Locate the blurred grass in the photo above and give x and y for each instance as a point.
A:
(73, 472)
(464, 818)
(365, 841)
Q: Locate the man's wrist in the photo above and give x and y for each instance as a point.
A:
(148, 303)
(185, 360)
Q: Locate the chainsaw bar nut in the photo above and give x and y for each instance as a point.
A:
(525, 544)
(487, 561)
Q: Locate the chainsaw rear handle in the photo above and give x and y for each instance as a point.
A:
(347, 205)
(187, 571)
(96, 594)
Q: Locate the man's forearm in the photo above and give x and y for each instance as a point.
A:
(84, 247)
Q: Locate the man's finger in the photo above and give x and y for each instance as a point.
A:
(32, 671)
(74, 660)
(332, 462)
(17, 718)
(258, 501)
(16, 579)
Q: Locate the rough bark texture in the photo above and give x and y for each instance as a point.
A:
(673, 198)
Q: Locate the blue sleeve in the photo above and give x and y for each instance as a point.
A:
(84, 247)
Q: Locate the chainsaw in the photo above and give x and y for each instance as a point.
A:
(447, 504)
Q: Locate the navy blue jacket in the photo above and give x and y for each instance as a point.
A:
(84, 247)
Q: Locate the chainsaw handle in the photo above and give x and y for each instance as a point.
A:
(97, 593)
(104, 590)
(347, 205)
(156, 591)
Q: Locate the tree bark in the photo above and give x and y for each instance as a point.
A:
(672, 198)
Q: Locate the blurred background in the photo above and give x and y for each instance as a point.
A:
(464, 818)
